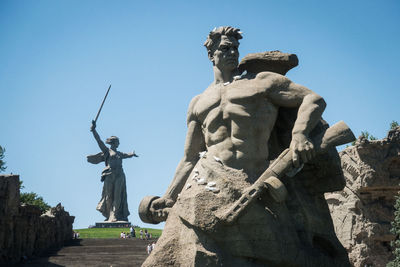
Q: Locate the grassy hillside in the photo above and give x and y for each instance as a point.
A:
(113, 232)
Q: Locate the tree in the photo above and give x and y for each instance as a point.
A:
(393, 125)
(21, 186)
(396, 231)
(2, 163)
(33, 199)
(366, 135)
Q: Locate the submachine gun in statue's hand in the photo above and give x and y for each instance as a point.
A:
(269, 181)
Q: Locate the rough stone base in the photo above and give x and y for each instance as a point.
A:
(296, 233)
(118, 224)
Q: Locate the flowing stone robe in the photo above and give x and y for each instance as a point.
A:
(113, 203)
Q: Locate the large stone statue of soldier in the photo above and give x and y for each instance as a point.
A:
(238, 128)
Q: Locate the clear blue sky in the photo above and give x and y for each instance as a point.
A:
(57, 59)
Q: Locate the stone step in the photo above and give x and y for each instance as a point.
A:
(95, 252)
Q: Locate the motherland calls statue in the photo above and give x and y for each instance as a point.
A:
(113, 204)
(258, 159)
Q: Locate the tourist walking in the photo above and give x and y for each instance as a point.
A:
(149, 248)
(132, 230)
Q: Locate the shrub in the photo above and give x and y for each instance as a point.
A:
(33, 199)
(393, 125)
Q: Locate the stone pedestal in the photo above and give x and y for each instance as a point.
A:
(118, 224)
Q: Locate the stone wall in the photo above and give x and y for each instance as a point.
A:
(24, 232)
(363, 211)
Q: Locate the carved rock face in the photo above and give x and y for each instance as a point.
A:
(226, 55)
(363, 211)
(274, 61)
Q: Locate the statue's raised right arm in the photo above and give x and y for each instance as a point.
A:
(101, 144)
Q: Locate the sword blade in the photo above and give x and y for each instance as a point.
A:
(102, 103)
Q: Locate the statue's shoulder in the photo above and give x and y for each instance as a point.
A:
(192, 106)
(193, 102)
(269, 75)
(203, 95)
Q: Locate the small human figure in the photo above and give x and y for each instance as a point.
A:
(132, 230)
(153, 246)
(75, 235)
(146, 234)
(141, 234)
(149, 248)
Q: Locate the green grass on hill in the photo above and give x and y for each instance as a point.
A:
(113, 232)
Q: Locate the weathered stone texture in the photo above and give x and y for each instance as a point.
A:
(274, 61)
(362, 212)
(23, 230)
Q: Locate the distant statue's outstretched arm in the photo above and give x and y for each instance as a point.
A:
(97, 137)
(129, 155)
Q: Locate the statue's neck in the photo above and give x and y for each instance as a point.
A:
(223, 76)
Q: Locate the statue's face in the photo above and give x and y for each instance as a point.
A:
(226, 57)
(114, 144)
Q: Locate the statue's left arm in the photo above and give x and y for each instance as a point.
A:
(283, 92)
(128, 155)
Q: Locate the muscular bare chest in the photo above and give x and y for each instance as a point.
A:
(240, 101)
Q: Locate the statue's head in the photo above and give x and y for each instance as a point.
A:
(113, 141)
(222, 46)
